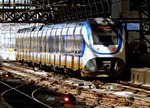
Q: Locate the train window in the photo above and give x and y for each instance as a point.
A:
(47, 47)
(39, 44)
(57, 43)
(38, 28)
(19, 31)
(34, 43)
(22, 45)
(51, 43)
(31, 38)
(44, 44)
(77, 41)
(69, 44)
(31, 42)
(78, 44)
(63, 43)
(45, 27)
(104, 35)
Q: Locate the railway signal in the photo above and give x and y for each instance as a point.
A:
(7, 75)
(69, 101)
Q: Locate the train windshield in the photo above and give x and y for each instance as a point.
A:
(104, 35)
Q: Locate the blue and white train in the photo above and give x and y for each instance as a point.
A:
(93, 47)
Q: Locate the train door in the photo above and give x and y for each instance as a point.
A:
(34, 45)
(31, 48)
(69, 46)
(27, 55)
(58, 54)
(56, 41)
(50, 43)
(81, 47)
(25, 45)
(63, 46)
(52, 46)
(29, 43)
(77, 41)
(39, 47)
(44, 46)
(22, 45)
(47, 47)
(18, 45)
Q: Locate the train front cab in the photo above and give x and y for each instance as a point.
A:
(106, 48)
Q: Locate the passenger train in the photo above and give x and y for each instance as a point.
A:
(93, 47)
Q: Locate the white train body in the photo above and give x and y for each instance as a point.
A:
(94, 47)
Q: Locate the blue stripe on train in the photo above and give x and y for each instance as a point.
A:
(89, 34)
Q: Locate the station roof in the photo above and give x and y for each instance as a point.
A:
(48, 11)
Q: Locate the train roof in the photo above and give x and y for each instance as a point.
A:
(91, 21)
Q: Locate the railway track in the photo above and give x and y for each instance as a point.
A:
(95, 94)
(18, 98)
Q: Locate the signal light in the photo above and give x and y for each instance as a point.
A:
(69, 99)
(66, 99)
(7, 75)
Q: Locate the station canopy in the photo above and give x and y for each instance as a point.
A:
(50, 11)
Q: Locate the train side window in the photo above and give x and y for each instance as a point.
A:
(51, 43)
(57, 43)
(22, 42)
(39, 44)
(34, 43)
(31, 42)
(63, 43)
(77, 37)
(78, 44)
(69, 44)
(47, 47)
(44, 43)
(82, 43)
(19, 43)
